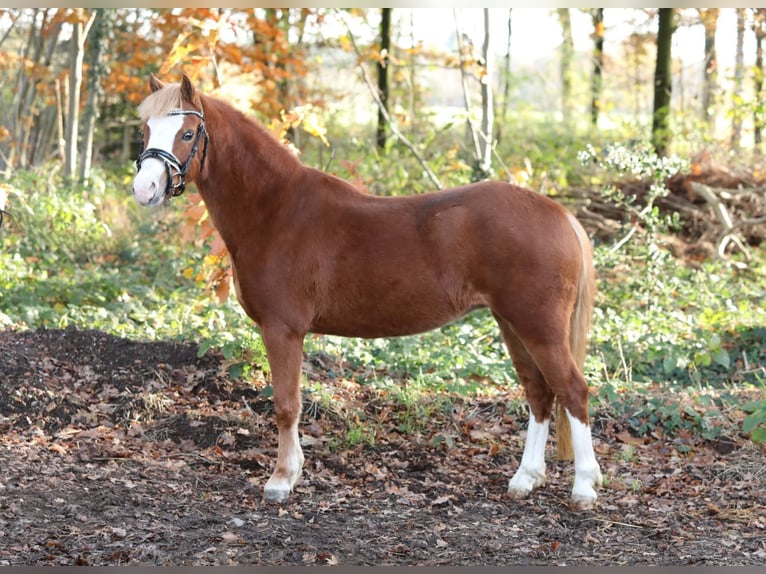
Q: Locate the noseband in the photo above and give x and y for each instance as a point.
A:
(175, 170)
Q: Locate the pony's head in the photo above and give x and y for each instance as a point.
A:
(174, 141)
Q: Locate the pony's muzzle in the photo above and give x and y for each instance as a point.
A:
(150, 183)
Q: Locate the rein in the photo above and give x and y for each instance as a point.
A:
(176, 180)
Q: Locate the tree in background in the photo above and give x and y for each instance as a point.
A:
(53, 71)
(597, 16)
(709, 18)
(739, 76)
(46, 57)
(279, 55)
(661, 135)
(506, 78)
(466, 58)
(81, 24)
(567, 56)
(479, 67)
(29, 81)
(638, 71)
(759, 28)
(385, 49)
(97, 70)
(487, 106)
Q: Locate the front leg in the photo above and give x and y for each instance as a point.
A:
(531, 471)
(284, 349)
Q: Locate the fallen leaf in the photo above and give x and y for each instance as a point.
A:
(627, 438)
(56, 447)
(442, 500)
(231, 538)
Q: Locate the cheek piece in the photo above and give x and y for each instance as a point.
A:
(175, 170)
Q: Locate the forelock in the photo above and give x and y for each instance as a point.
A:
(161, 102)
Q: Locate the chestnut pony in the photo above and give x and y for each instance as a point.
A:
(311, 253)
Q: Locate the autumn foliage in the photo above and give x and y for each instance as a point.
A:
(206, 45)
(262, 49)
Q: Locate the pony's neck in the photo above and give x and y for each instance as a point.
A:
(245, 162)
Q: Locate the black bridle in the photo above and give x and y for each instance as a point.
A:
(175, 170)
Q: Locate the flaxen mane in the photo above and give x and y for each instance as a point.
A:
(161, 102)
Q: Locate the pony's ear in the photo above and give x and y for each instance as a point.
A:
(154, 83)
(188, 92)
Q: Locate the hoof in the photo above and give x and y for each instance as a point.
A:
(524, 482)
(518, 493)
(582, 502)
(279, 487)
(584, 489)
(275, 495)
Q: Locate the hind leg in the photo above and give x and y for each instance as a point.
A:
(587, 471)
(547, 369)
(560, 371)
(531, 471)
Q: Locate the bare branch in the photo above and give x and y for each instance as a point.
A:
(463, 76)
(728, 235)
(394, 129)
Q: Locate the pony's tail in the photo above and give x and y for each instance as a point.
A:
(578, 333)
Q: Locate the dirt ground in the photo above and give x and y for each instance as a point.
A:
(115, 452)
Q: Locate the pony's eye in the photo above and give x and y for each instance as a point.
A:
(188, 136)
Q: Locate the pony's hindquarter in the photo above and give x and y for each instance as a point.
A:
(547, 340)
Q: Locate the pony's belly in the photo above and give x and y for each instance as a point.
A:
(373, 320)
(376, 330)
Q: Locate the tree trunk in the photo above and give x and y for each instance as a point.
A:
(73, 104)
(597, 15)
(60, 103)
(709, 18)
(29, 139)
(506, 81)
(79, 33)
(278, 20)
(414, 98)
(97, 71)
(759, 27)
(26, 91)
(385, 47)
(487, 105)
(42, 151)
(739, 73)
(633, 56)
(285, 84)
(663, 83)
(567, 55)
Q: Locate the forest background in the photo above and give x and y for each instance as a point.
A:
(646, 123)
(135, 408)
